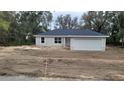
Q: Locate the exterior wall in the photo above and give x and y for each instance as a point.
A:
(103, 44)
(49, 41)
(88, 44)
(38, 41)
(81, 43)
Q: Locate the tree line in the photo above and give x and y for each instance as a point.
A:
(18, 27)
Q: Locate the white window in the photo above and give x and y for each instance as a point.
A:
(42, 40)
(57, 40)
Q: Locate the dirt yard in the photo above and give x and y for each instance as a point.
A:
(61, 64)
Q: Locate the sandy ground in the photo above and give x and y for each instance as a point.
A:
(51, 63)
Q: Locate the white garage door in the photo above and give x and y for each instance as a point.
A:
(89, 44)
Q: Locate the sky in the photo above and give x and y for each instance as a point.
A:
(72, 13)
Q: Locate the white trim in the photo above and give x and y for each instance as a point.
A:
(67, 36)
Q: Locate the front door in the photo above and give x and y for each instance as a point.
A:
(67, 42)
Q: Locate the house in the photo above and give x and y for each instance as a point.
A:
(73, 38)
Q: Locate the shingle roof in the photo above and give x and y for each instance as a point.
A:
(72, 32)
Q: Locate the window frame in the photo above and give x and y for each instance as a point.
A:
(57, 40)
(42, 40)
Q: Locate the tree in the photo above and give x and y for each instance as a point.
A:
(28, 23)
(121, 27)
(112, 28)
(105, 22)
(6, 18)
(66, 22)
(95, 20)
